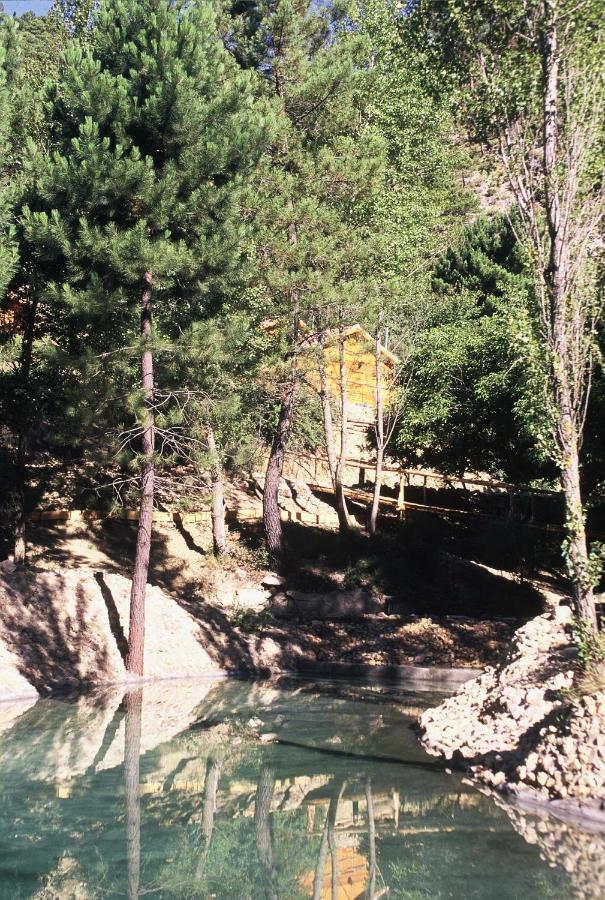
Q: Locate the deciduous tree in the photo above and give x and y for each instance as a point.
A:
(533, 79)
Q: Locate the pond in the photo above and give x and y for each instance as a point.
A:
(169, 791)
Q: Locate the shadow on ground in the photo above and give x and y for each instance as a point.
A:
(425, 567)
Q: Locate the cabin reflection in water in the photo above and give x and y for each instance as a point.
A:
(167, 791)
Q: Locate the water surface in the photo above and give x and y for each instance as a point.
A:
(168, 792)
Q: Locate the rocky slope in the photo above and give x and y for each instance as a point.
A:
(68, 628)
(517, 728)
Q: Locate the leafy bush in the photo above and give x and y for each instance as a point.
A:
(364, 573)
(250, 621)
(591, 658)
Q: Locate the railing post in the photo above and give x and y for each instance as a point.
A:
(401, 495)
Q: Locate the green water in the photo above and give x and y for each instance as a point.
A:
(166, 792)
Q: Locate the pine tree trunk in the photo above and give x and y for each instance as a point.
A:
(219, 529)
(344, 522)
(262, 826)
(132, 752)
(136, 634)
(19, 545)
(275, 465)
(373, 524)
(19, 542)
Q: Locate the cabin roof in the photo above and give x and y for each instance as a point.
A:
(357, 331)
(350, 331)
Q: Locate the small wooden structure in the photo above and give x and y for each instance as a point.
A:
(360, 365)
(12, 313)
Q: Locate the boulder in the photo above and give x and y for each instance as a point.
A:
(251, 598)
(332, 605)
(272, 580)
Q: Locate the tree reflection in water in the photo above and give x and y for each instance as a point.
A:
(167, 792)
(133, 704)
(213, 774)
(328, 841)
(262, 827)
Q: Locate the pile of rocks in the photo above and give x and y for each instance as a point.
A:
(492, 712)
(579, 851)
(567, 757)
(515, 727)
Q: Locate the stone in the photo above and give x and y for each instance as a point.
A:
(251, 598)
(563, 615)
(333, 605)
(272, 580)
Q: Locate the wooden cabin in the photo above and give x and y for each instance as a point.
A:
(360, 365)
(12, 314)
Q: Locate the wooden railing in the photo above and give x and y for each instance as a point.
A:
(316, 471)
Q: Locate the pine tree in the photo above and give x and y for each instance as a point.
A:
(7, 250)
(15, 311)
(136, 212)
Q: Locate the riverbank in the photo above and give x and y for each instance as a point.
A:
(67, 628)
(64, 620)
(523, 729)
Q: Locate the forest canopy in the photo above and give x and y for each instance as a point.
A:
(199, 201)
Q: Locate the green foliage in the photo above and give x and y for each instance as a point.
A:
(596, 562)
(422, 202)
(75, 16)
(471, 365)
(250, 621)
(591, 646)
(33, 47)
(365, 572)
(251, 550)
(486, 261)
(134, 183)
(215, 364)
(7, 247)
(154, 129)
(316, 247)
